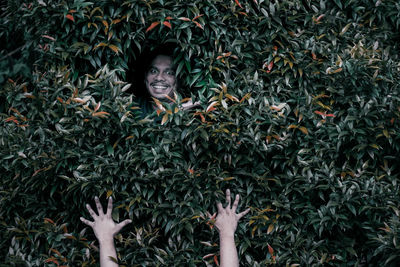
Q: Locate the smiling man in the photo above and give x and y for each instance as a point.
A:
(160, 79)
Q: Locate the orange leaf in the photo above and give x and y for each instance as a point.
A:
(101, 114)
(166, 23)
(72, 11)
(216, 260)
(152, 26)
(237, 3)
(191, 171)
(60, 99)
(169, 18)
(70, 17)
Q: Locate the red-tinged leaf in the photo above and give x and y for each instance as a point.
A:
(129, 137)
(319, 113)
(314, 56)
(56, 251)
(97, 107)
(191, 171)
(330, 115)
(198, 16)
(237, 3)
(184, 19)
(49, 37)
(49, 220)
(37, 171)
(198, 25)
(159, 111)
(270, 65)
(392, 121)
(243, 13)
(169, 18)
(292, 126)
(208, 256)
(213, 104)
(70, 17)
(72, 11)
(202, 118)
(255, 1)
(152, 26)
(219, 57)
(52, 259)
(166, 23)
(216, 260)
(270, 250)
(320, 17)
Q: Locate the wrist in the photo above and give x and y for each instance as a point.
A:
(106, 241)
(226, 234)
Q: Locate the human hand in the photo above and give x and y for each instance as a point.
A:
(103, 225)
(227, 217)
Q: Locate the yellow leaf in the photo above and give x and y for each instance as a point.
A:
(292, 126)
(303, 129)
(270, 228)
(386, 133)
(228, 178)
(99, 45)
(374, 146)
(253, 230)
(176, 110)
(114, 48)
(109, 193)
(300, 72)
(164, 119)
(344, 30)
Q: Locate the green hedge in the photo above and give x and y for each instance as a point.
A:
(300, 114)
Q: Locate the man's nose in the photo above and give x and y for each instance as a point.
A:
(160, 77)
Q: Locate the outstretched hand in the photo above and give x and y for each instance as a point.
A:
(103, 225)
(227, 218)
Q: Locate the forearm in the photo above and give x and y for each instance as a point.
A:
(108, 253)
(228, 253)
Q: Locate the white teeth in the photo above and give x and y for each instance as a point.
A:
(160, 87)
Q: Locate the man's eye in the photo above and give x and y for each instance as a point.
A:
(153, 71)
(171, 72)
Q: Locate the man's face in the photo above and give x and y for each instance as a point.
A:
(160, 79)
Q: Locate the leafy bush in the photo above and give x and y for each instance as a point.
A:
(299, 113)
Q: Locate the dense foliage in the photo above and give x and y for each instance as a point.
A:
(300, 114)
